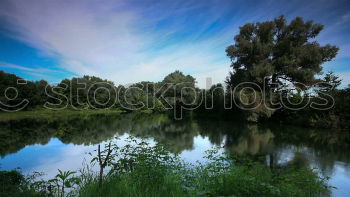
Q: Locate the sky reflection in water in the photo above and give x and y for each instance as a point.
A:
(68, 142)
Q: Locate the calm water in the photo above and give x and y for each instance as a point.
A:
(48, 145)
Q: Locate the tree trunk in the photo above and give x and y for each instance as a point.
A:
(63, 189)
(103, 164)
(101, 176)
(272, 161)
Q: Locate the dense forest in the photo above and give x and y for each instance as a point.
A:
(276, 69)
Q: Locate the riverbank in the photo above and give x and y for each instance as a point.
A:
(305, 120)
(141, 169)
(41, 113)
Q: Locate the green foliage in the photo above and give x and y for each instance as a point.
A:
(273, 54)
(213, 99)
(332, 80)
(336, 111)
(278, 52)
(34, 92)
(62, 182)
(15, 184)
(158, 106)
(86, 92)
(90, 92)
(138, 169)
(233, 175)
(180, 89)
(142, 169)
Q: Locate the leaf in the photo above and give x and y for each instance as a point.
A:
(67, 184)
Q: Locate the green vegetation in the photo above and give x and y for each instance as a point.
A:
(335, 116)
(178, 136)
(274, 55)
(32, 91)
(14, 184)
(141, 169)
(54, 114)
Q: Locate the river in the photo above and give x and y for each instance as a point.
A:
(45, 145)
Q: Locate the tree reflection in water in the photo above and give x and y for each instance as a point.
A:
(278, 144)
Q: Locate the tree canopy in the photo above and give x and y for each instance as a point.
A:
(276, 53)
(14, 91)
(180, 88)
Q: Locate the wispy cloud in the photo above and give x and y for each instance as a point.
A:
(129, 41)
(40, 73)
(102, 39)
(7, 65)
(83, 35)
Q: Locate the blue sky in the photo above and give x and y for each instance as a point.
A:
(128, 41)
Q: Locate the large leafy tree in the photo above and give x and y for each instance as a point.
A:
(180, 88)
(277, 53)
(272, 54)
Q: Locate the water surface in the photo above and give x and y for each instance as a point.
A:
(46, 145)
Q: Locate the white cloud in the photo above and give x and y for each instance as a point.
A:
(41, 73)
(345, 76)
(92, 38)
(124, 44)
(7, 65)
(84, 35)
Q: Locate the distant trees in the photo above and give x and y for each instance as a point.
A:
(337, 113)
(175, 90)
(136, 96)
(17, 93)
(213, 100)
(179, 89)
(329, 82)
(326, 107)
(93, 92)
(88, 92)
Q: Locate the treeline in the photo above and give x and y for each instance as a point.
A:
(96, 93)
(91, 92)
(14, 91)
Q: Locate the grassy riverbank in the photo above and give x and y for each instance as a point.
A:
(42, 113)
(140, 169)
